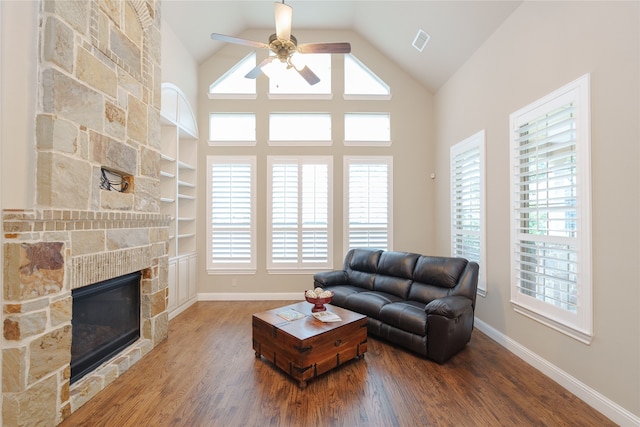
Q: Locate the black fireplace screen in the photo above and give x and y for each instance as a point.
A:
(106, 319)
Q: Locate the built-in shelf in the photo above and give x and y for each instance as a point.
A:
(178, 173)
(183, 165)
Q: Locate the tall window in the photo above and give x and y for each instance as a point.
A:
(231, 201)
(299, 212)
(368, 202)
(550, 184)
(467, 203)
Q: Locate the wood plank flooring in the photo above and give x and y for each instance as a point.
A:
(206, 374)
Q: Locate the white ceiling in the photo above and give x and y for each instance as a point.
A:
(457, 28)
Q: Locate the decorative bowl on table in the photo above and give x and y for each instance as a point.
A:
(318, 298)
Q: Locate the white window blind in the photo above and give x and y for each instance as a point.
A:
(551, 210)
(299, 212)
(368, 201)
(231, 187)
(467, 203)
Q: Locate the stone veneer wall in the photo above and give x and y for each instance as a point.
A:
(99, 106)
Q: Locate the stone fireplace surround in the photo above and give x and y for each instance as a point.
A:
(98, 106)
(44, 260)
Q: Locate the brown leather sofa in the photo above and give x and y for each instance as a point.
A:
(423, 303)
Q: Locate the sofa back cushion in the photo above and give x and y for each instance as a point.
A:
(395, 271)
(435, 277)
(361, 266)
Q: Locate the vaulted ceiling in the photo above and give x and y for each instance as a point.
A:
(457, 28)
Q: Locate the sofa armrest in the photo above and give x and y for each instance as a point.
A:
(330, 278)
(449, 307)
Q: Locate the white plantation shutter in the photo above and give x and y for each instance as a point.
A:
(368, 202)
(284, 195)
(299, 212)
(551, 209)
(467, 203)
(231, 186)
(315, 213)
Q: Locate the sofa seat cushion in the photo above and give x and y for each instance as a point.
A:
(341, 293)
(406, 315)
(369, 303)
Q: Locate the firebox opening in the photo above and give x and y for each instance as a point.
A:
(106, 320)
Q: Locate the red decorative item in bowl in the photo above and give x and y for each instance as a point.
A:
(318, 303)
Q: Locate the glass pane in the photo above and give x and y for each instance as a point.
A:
(232, 127)
(359, 80)
(234, 82)
(284, 80)
(299, 127)
(367, 127)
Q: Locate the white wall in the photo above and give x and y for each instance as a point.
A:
(541, 47)
(18, 35)
(412, 150)
(178, 67)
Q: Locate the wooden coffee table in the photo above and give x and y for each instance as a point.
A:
(307, 347)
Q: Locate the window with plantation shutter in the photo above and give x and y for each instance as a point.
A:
(231, 225)
(299, 212)
(368, 202)
(550, 183)
(467, 203)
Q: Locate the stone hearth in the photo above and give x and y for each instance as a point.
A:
(98, 108)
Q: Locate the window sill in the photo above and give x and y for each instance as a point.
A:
(579, 335)
(220, 272)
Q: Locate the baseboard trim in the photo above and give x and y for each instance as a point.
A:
(246, 296)
(597, 401)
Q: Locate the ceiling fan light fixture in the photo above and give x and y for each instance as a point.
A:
(298, 61)
(284, 15)
(421, 40)
(275, 70)
(284, 47)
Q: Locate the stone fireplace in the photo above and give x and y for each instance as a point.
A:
(98, 109)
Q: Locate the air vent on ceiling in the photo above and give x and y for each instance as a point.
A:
(421, 40)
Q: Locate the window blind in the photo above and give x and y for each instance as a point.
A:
(231, 239)
(300, 198)
(368, 204)
(546, 203)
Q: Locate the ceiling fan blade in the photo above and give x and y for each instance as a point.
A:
(339, 47)
(308, 75)
(237, 40)
(284, 15)
(253, 74)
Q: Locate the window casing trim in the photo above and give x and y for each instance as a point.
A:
(300, 266)
(474, 142)
(578, 325)
(231, 268)
(347, 162)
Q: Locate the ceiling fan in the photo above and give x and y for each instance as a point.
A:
(285, 46)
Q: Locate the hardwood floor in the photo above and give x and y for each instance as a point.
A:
(206, 374)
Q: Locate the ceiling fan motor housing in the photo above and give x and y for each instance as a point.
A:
(282, 48)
